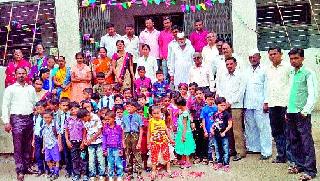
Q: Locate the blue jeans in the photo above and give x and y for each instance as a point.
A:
(221, 145)
(211, 148)
(96, 155)
(114, 160)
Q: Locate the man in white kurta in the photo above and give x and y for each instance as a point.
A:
(257, 122)
(182, 60)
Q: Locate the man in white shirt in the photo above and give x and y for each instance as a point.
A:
(131, 42)
(182, 60)
(19, 100)
(231, 85)
(277, 99)
(210, 52)
(109, 40)
(150, 36)
(257, 123)
(200, 74)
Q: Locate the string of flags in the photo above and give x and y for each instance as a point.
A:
(186, 8)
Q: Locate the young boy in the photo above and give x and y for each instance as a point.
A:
(142, 80)
(107, 100)
(143, 102)
(201, 144)
(127, 94)
(87, 95)
(132, 126)
(100, 81)
(51, 144)
(206, 115)
(37, 135)
(75, 134)
(61, 116)
(161, 87)
(118, 99)
(118, 109)
(222, 123)
(112, 145)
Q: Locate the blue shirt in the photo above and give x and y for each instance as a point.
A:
(38, 123)
(61, 118)
(206, 113)
(160, 89)
(49, 135)
(106, 101)
(132, 123)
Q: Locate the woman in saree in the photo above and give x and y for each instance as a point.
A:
(39, 61)
(104, 64)
(123, 67)
(80, 78)
(62, 78)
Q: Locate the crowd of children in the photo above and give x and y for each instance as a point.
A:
(118, 134)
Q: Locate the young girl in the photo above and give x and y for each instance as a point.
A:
(185, 144)
(222, 124)
(192, 93)
(158, 140)
(112, 145)
(183, 89)
(52, 144)
(144, 146)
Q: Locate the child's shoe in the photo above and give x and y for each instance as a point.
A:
(217, 166)
(54, 177)
(102, 178)
(119, 178)
(85, 178)
(226, 168)
(92, 178)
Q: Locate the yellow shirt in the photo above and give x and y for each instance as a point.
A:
(158, 131)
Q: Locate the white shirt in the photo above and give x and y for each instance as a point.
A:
(171, 45)
(256, 88)
(231, 86)
(209, 53)
(109, 42)
(202, 75)
(278, 84)
(93, 127)
(181, 61)
(18, 99)
(103, 102)
(132, 46)
(151, 38)
(150, 65)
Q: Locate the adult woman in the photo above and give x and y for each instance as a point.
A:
(149, 62)
(123, 66)
(44, 74)
(62, 78)
(38, 86)
(17, 62)
(80, 78)
(39, 61)
(104, 64)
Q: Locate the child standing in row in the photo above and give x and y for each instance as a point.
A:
(185, 144)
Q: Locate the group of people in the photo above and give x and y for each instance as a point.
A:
(192, 101)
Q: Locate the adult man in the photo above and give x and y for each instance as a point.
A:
(182, 56)
(302, 98)
(219, 43)
(210, 53)
(231, 85)
(109, 40)
(150, 36)
(165, 38)
(198, 37)
(257, 123)
(200, 74)
(17, 108)
(131, 42)
(277, 98)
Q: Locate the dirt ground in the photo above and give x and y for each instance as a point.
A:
(249, 169)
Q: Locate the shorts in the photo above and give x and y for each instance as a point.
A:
(162, 148)
(52, 154)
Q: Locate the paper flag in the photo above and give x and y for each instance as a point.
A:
(133, 1)
(167, 3)
(221, 1)
(85, 3)
(187, 8)
(208, 3)
(92, 1)
(198, 7)
(145, 2)
(173, 2)
(124, 5)
(203, 6)
(157, 2)
(8, 28)
(193, 8)
(129, 4)
(183, 8)
(150, 1)
(109, 3)
(119, 5)
(103, 7)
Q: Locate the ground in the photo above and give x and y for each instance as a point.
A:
(249, 169)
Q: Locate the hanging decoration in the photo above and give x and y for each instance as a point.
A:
(186, 8)
(35, 29)
(282, 22)
(8, 32)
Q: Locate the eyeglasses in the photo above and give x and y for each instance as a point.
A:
(197, 58)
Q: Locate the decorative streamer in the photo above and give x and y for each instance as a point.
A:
(282, 21)
(35, 29)
(9, 29)
(314, 16)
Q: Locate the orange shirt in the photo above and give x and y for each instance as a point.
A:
(104, 65)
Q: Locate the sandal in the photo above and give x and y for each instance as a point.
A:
(170, 174)
(217, 166)
(196, 161)
(205, 162)
(305, 177)
(153, 176)
(226, 168)
(293, 170)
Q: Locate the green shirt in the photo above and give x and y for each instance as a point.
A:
(303, 91)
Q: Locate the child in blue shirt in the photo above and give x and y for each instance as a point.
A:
(161, 87)
(206, 115)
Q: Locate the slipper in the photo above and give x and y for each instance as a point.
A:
(205, 162)
(305, 177)
(293, 170)
(196, 161)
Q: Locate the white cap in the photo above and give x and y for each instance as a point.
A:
(253, 52)
(180, 35)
